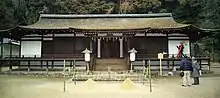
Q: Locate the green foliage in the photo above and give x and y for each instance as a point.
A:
(209, 17)
(27, 11)
(187, 11)
(83, 6)
(140, 6)
(6, 14)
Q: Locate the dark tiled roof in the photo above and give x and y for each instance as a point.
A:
(106, 21)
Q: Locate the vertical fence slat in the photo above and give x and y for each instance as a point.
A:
(28, 65)
(1, 64)
(64, 75)
(209, 63)
(52, 64)
(74, 71)
(46, 65)
(150, 76)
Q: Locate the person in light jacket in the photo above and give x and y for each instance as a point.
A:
(186, 68)
(195, 72)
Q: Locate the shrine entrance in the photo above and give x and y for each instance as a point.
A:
(110, 48)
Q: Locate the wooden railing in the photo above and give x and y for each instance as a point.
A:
(46, 56)
(40, 63)
(170, 63)
(168, 56)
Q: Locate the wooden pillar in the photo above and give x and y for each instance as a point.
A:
(10, 54)
(42, 39)
(19, 53)
(29, 65)
(74, 45)
(53, 52)
(91, 49)
(1, 54)
(2, 47)
(99, 48)
(128, 43)
(167, 49)
(53, 46)
(121, 47)
(10, 49)
(52, 64)
(209, 63)
(90, 44)
(190, 49)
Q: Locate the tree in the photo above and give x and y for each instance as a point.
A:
(7, 14)
(83, 6)
(27, 11)
(139, 6)
(209, 18)
(187, 11)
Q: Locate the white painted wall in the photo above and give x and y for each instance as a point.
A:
(172, 49)
(31, 48)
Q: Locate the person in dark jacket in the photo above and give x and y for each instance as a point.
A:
(195, 73)
(186, 68)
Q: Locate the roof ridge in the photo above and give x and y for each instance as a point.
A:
(106, 15)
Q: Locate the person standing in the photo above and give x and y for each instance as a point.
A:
(195, 73)
(180, 50)
(186, 68)
(196, 49)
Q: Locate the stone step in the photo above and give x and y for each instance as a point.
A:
(113, 69)
(113, 64)
(110, 61)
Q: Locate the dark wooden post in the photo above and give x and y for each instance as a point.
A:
(2, 47)
(173, 62)
(46, 65)
(74, 71)
(209, 63)
(190, 49)
(29, 64)
(53, 46)
(74, 43)
(53, 52)
(41, 63)
(71, 64)
(42, 39)
(1, 54)
(52, 64)
(19, 65)
(10, 53)
(10, 48)
(200, 63)
(1, 64)
(10, 64)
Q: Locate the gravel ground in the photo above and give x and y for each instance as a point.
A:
(35, 87)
